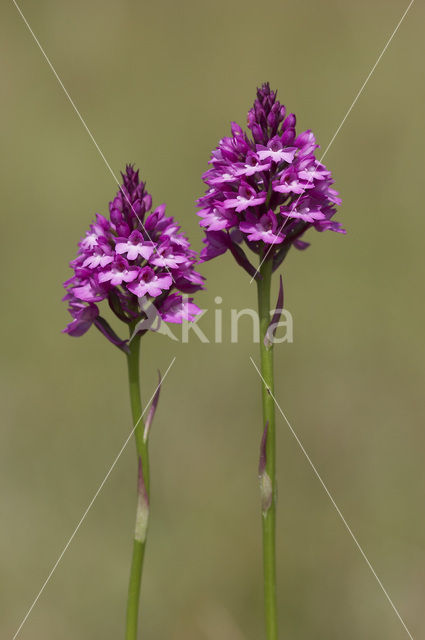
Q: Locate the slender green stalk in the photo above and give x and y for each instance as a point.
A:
(269, 502)
(143, 491)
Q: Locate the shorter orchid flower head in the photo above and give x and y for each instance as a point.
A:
(134, 253)
(266, 189)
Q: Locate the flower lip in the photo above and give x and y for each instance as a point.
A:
(135, 246)
(303, 210)
(276, 151)
(290, 182)
(118, 272)
(246, 197)
(218, 177)
(150, 283)
(167, 256)
(311, 169)
(83, 318)
(90, 241)
(88, 290)
(262, 229)
(176, 309)
(217, 218)
(252, 165)
(100, 257)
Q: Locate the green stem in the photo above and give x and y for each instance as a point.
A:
(143, 491)
(269, 515)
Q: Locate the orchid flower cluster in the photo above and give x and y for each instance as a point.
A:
(266, 190)
(135, 254)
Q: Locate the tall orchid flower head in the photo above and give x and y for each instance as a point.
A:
(266, 189)
(133, 259)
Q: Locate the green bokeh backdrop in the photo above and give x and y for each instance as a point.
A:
(158, 83)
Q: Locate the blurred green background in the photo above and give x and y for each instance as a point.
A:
(158, 84)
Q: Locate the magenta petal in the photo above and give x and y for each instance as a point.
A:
(82, 321)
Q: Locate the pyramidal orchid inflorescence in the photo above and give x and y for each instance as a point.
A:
(137, 260)
(266, 189)
(135, 253)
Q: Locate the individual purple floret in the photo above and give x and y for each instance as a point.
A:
(136, 253)
(266, 189)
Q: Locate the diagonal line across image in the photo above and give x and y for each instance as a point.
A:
(92, 501)
(319, 477)
(341, 124)
(83, 122)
